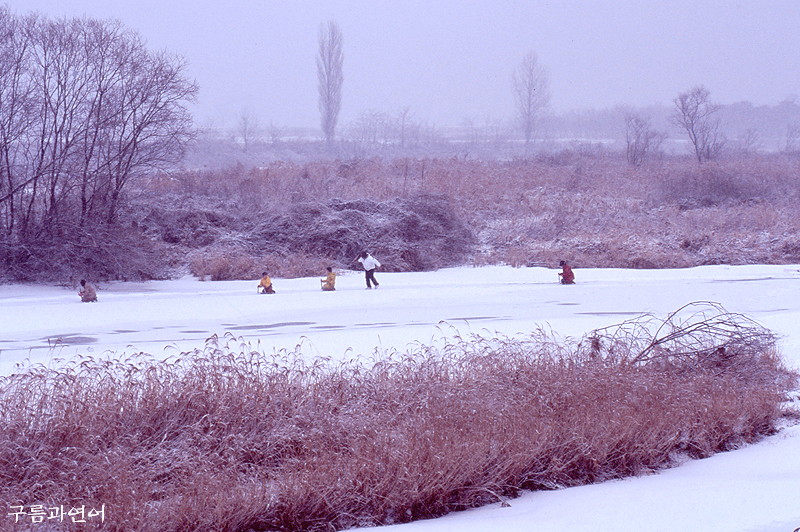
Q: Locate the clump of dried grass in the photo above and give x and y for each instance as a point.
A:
(231, 438)
(226, 264)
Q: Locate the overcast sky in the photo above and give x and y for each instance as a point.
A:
(450, 61)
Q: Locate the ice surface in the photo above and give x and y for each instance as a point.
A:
(752, 489)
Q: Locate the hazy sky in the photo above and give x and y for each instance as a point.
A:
(450, 61)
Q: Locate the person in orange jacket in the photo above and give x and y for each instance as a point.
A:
(329, 282)
(265, 285)
(566, 275)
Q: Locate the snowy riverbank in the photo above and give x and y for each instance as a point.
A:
(752, 489)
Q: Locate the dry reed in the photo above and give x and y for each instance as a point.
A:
(230, 438)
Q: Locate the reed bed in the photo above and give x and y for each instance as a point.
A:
(232, 438)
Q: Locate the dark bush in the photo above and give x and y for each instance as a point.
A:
(189, 225)
(99, 252)
(419, 233)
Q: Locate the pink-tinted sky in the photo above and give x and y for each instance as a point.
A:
(450, 61)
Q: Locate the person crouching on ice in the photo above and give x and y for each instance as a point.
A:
(370, 264)
(88, 293)
(265, 285)
(566, 275)
(329, 282)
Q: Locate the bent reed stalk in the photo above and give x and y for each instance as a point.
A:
(231, 438)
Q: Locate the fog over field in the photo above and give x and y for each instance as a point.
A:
(450, 61)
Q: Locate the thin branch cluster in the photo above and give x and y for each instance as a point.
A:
(85, 110)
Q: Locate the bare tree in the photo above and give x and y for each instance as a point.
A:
(247, 128)
(371, 128)
(749, 141)
(641, 140)
(695, 114)
(86, 109)
(16, 118)
(404, 124)
(275, 133)
(330, 76)
(532, 94)
(792, 138)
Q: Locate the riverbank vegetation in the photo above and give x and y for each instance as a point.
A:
(228, 438)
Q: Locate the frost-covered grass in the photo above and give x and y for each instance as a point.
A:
(419, 214)
(230, 438)
(591, 208)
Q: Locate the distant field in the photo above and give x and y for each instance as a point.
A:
(587, 206)
(590, 208)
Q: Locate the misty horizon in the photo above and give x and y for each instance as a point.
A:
(450, 63)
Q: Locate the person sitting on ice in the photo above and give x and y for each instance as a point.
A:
(265, 285)
(566, 275)
(329, 282)
(88, 293)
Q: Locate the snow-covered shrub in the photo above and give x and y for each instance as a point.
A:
(115, 251)
(406, 234)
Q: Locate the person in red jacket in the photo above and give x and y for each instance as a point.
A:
(566, 275)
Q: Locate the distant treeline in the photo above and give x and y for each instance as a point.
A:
(768, 127)
(743, 127)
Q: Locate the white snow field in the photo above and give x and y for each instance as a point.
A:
(756, 488)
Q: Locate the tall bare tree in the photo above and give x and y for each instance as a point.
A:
(695, 114)
(16, 118)
(531, 92)
(330, 75)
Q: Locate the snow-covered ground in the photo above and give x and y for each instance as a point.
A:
(752, 489)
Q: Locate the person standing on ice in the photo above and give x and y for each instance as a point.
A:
(370, 264)
(566, 275)
(329, 282)
(88, 293)
(265, 285)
